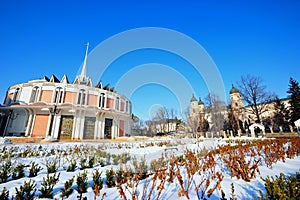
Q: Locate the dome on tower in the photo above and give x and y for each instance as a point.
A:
(200, 102)
(233, 90)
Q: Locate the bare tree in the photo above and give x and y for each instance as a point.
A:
(255, 95)
(160, 119)
(151, 130)
(192, 121)
(137, 126)
(172, 113)
(232, 122)
(171, 116)
(216, 108)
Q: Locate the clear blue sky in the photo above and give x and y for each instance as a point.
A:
(261, 38)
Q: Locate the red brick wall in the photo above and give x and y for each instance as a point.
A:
(92, 100)
(110, 103)
(70, 97)
(122, 107)
(121, 128)
(46, 96)
(40, 126)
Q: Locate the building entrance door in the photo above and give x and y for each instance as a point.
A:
(107, 129)
(89, 127)
(3, 122)
(66, 128)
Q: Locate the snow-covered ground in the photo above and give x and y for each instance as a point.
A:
(147, 150)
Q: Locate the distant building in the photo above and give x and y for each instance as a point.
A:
(240, 112)
(196, 106)
(244, 113)
(165, 126)
(59, 109)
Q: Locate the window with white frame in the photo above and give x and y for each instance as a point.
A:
(58, 95)
(16, 95)
(34, 95)
(81, 97)
(126, 107)
(117, 106)
(102, 100)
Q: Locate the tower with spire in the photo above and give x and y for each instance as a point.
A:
(236, 100)
(196, 107)
(82, 79)
(237, 105)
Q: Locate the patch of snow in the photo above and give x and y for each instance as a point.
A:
(49, 139)
(5, 141)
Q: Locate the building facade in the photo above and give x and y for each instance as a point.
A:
(243, 115)
(62, 110)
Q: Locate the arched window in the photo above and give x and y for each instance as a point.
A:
(130, 108)
(34, 95)
(58, 95)
(117, 106)
(16, 95)
(127, 107)
(81, 97)
(102, 100)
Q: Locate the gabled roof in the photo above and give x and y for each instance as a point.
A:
(106, 87)
(54, 79)
(64, 79)
(46, 78)
(83, 81)
(99, 85)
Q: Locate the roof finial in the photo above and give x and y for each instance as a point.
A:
(83, 70)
